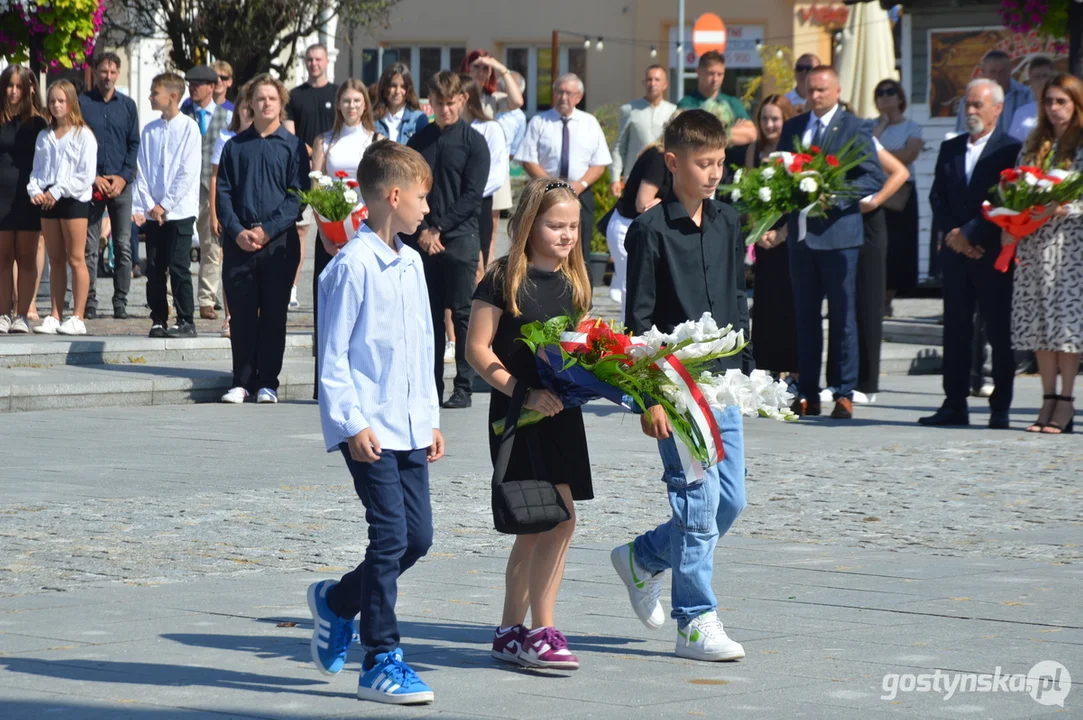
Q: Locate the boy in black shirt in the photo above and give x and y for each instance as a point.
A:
(449, 239)
(685, 258)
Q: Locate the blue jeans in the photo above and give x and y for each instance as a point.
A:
(702, 512)
(395, 493)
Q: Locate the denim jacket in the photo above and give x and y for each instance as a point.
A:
(412, 121)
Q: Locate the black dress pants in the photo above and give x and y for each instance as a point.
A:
(169, 250)
(258, 286)
(969, 285)
(485, 224)
(871, 287)
(451, 277)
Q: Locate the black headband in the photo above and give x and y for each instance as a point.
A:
(557, 184)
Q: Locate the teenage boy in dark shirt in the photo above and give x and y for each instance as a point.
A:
(449, 239)
(685, 258)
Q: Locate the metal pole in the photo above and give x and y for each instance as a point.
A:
(680, 50)
(554, 61)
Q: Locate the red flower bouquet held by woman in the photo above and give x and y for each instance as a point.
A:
(339, 208)
(1023, 196)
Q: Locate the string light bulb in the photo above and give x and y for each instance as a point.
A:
(654, 51)
(586, 43)
(600, 45)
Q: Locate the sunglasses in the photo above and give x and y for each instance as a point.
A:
(803, 68)
(887, 92)
(224, 78)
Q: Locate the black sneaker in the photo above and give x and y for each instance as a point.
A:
(181, 330)
(458, 400)
(157, 331)
(120, 313)
(91, 313)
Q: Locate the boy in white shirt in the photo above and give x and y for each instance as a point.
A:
(380, 409)
(166, 204)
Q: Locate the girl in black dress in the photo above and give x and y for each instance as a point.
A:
(543, 276)
(20, 221)
(774, 327)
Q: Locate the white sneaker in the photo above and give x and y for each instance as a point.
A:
(615, 295)
(644, 589)
(266, 395)
(19, 326)
(986, 390)
(293, 299)
(827, 395)
(48, 326)
(235, 396)
(704, 639)
(449, 352)
(861, 398)
(5, 324)
(72, 326)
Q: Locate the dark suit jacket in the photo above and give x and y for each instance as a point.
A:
(842, 227)
(957, 203)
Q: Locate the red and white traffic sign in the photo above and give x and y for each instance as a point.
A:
(709, 33)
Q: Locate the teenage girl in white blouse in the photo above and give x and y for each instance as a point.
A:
(61, 184)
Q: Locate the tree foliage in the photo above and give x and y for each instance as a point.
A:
(255, 36)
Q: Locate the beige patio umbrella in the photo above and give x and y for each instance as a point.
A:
(866, 57)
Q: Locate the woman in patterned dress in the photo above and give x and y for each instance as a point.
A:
(1047, 301)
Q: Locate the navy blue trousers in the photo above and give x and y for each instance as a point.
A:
(816, 274)
(395, 493)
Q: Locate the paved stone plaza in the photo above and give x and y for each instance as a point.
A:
(155, 561)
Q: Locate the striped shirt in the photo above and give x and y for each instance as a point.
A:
(376, 346)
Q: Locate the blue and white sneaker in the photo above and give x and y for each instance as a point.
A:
(392, 681)
(331, 635)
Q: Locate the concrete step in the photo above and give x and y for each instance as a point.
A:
(48, 350)
(913, 331)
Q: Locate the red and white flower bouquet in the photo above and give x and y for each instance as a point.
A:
(807, 182)
(338, 205)
(1022, 196)
(589, 359)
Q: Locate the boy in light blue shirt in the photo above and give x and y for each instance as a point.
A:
(379, 408)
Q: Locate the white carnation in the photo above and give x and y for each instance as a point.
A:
(735, 195)
(1030, 179)
(325, 181)
(315, 175)
(764, 194)
(738, 175)
(350, 196)
(768, 172)
(808, 185)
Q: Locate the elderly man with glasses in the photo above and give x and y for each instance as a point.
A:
(567, 143)
(802, 68)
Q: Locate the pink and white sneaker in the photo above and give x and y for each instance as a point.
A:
(546, 647)
(508, 644)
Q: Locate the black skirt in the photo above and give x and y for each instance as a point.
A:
(67, 208)
(902, 246)
(774, 326)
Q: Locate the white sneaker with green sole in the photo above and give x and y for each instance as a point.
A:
(704, 639)
(644, 589)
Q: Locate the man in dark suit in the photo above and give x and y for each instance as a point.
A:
(967, 167)
(825, 261)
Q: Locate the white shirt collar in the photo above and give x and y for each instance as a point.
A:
(826, 119)
(971, 143)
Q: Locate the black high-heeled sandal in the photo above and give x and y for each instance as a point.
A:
(1066, 429)
(1038, 423)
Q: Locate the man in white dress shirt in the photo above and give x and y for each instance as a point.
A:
(166, 204)
(1039, 72)
(569, 144)
(640, 123)
(801, 70)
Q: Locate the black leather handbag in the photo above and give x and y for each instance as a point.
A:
(523, 507)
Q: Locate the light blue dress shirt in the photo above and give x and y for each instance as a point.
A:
(513, 123)
(376, 346)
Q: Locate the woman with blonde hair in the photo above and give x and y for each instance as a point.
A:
(543, 276)
(61, 183)
(1047, 296)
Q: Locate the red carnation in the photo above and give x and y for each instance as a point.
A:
(342, 174)
(1009, 175)
(832, 161)
(352, 184)
(815, 149)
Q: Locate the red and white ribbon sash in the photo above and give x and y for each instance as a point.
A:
(342, 231)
